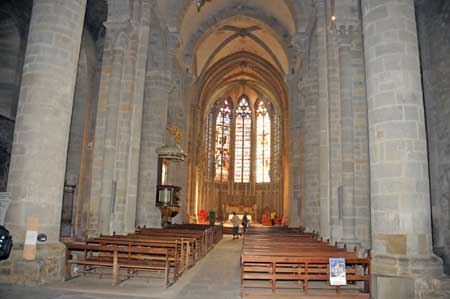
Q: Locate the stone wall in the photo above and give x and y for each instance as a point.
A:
(433, 20)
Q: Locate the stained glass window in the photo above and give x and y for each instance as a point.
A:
(222, 141)
(275, 161)
(262, 143)
(208, 142)
(243, 143)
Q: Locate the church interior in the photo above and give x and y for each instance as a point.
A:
(133, 129)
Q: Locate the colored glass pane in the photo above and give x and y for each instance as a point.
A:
(208, 143)
(262, 143)
(242, 153)
(222, 142)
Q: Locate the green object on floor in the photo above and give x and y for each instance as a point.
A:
(212, 217)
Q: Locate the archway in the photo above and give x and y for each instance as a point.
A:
(240, 55)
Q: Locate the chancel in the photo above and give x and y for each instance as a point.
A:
(132, 132)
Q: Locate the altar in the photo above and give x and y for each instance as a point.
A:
(249, 217)
(240, 209)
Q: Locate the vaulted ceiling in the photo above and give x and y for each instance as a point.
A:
(230, 41)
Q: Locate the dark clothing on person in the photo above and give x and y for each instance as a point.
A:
(245, 223)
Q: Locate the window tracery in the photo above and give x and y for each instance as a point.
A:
(243, 143)
(222, 141)
(263, 136)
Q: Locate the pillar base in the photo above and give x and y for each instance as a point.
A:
(444, 253)
(409, 277)
(48, 265)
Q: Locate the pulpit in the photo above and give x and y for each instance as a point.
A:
(168, 200)
(168, 196)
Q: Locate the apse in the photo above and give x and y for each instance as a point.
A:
(239, 65)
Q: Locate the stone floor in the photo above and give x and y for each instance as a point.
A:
(215, 275)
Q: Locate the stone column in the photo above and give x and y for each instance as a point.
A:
(323, 108)
(118, 35)
(297, 56)
(346, 81)
(400, 195)
(154, 122)
(36, 177)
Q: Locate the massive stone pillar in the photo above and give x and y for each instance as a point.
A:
(323, 109)
(119, 118)
(346, 193)
(154, 122)
(118, 34)
(293, 209)
(36, 177)
(400, 195)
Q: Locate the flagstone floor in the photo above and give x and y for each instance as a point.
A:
(215, 276)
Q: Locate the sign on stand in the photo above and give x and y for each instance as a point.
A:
(337, 272)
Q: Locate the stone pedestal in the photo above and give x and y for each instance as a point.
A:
(400, 195)
(36, 177)
(47, 266)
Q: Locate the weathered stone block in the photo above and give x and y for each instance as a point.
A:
(393, 287)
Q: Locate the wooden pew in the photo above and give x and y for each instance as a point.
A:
(117, 257)
(202, 237)
(174, 249)
(187, 250)
(217, 230)
(300, 271)
(284, 260)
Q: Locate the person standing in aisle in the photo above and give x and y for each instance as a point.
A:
(245, 222)
(236, 221)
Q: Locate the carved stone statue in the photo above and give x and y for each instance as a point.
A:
(176, 133)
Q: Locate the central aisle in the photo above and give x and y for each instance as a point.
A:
(216, 276)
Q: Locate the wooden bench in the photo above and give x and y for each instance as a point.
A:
(116, 257)
(217, 230)
(300, 271)
(290, 260)
(204, 242)
(174, 249)
(185, 247)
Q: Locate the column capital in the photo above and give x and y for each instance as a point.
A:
(118, 33)
(345, 33)
(300, 41)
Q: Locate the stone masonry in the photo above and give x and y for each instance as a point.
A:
(36, 176)
(154, 123)
(119, 116)
(345, 90)
(401, 218)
